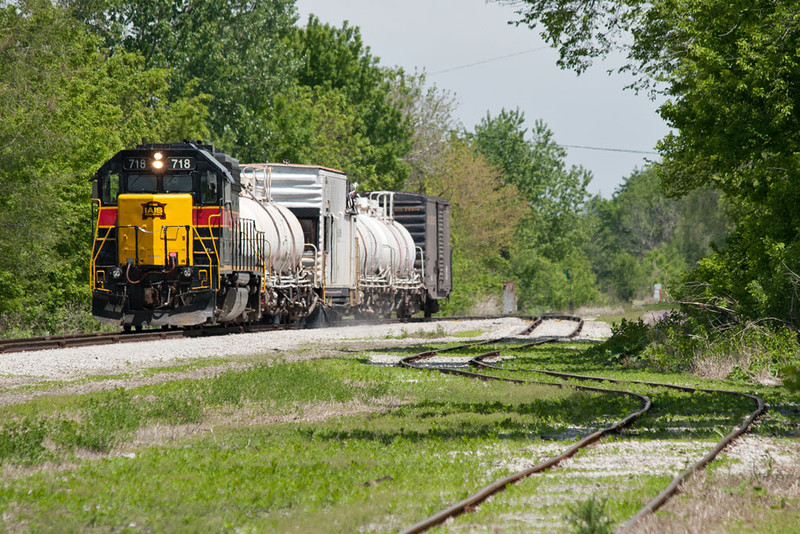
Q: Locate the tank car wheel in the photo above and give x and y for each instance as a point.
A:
(431, 307)
(126, 328)
(318, 318)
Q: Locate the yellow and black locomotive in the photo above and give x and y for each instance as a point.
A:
(167, 241)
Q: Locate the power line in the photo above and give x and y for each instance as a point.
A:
(490, 60)
(605, 149)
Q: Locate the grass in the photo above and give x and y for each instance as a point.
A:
(333, 445)
(630, 312)
(440, 332)
(364, 471)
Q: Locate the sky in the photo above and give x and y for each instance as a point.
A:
(438, 36)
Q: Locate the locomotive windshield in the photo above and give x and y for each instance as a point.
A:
(178, 183)
(174, 183)
(141, 183)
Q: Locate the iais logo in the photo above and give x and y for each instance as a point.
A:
(153, 210)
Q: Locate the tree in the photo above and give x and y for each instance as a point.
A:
(484, 214)
(730, 73)
(236, 51)
(484, 211)
(336, 59)
(319, 127)
(550, 237)
(429, 113)
(535, 166)
(67, 107)
(641, 237)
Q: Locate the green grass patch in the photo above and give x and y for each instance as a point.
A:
(440, 332)
(377, 471)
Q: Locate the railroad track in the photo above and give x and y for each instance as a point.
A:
(480, 361)
(111, 338)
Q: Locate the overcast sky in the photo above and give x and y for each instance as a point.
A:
(590, 110)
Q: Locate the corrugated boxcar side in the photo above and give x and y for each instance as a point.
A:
(428, 221)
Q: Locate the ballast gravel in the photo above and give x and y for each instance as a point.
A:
(71, 363)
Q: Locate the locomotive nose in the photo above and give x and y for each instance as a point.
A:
(154, 230)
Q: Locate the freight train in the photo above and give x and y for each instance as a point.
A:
(185, 235)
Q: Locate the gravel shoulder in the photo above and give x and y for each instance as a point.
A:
(75, 363)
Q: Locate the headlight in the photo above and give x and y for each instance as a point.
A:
(116, 272)
(186, 272)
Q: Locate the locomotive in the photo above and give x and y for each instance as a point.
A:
(185, 235)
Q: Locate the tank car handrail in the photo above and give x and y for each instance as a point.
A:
(251, 170)
(421, 263)
(214, 243)
(316, 255)
(357, 273)
(388, 203)
(390, 278)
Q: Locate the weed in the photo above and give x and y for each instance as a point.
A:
(589, 517)
(106, 418)
(21, 441)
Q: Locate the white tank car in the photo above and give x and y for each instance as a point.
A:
(282, 230)
(385, 247)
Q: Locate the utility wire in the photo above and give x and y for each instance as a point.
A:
(605, 149)
(498, 58)
(490, 60)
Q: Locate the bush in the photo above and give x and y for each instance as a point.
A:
(680, 343)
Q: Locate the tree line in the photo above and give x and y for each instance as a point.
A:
(80, 80)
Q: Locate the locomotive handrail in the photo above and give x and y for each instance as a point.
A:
(166, 247)
(205, 248)
(259, 257)
(214, 243)
(95, 255)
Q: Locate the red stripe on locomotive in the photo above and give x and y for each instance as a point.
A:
(200, 216)
(207, 216)
(107, 217)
